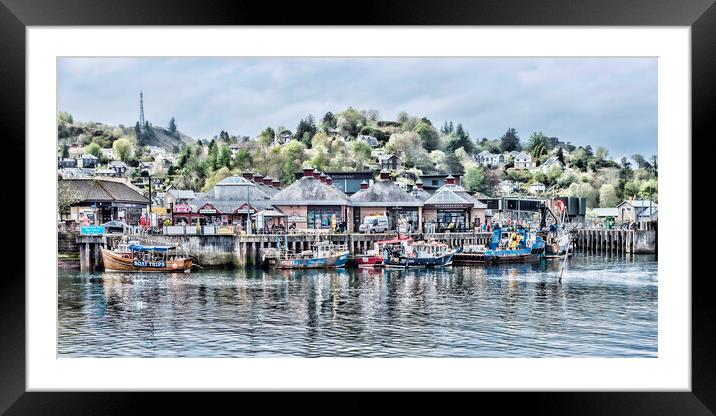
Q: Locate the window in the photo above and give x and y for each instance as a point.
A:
(322, 216)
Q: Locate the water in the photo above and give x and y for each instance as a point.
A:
(603, 308)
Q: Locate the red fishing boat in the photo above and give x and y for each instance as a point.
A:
(374, 257)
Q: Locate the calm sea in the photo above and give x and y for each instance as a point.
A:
(604, 307)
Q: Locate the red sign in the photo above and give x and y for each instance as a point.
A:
(560, 205)
(182, 208)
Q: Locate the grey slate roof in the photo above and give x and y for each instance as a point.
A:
(182, 193)
(104, 191)
(310, 191)
(227, 207)
(382, 194)
(454, 194)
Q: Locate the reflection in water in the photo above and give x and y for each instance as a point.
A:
(602, 308)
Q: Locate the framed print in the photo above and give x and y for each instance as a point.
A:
(457, 198)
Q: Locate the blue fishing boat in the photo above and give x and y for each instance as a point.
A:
(514, 246)
(324, 255)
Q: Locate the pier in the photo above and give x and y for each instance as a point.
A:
(641, 241)
(245, 250)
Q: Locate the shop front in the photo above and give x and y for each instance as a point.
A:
(447, 217)
(181, 214)
(322, 217)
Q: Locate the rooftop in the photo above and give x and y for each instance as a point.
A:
(310, 191)
(384, 193)
(96, 189)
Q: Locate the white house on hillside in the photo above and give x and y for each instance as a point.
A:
(552, 161)
(537, 187)
(523, 161)
(488, 159)
(507, 187)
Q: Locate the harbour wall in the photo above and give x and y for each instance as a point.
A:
(246, 250)
(617, 241)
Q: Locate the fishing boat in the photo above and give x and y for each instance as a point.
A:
(514, 246)
(324, 255)
(374, 257)
(134, 257)
(418, 254)
(470, 254)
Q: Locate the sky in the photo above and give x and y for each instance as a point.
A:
(610, 102)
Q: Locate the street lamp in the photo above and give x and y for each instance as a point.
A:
(146, 173)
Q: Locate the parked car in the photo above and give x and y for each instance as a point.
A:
(115, 225)
(374, 224)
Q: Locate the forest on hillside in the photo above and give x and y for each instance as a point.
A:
(333, 143)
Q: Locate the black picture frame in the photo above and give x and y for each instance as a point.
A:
(15, 15)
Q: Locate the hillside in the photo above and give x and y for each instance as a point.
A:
(71, 132)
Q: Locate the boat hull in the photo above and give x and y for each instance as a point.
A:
(512, 256)
(369, 261)
(333, 261)
(114, 262)
(407, 262)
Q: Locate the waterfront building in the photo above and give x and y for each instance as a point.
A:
(348, 182)
(228, 203)
(451, 207)
(419, 191)
(385, 197)
(101, 200)
(635, 210)
(311, 203)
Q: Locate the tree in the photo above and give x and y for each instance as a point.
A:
(66, 197)
(510, 141)
(122, 149)
(654, 165)
(361, 153)
(537, 144)
(172, 127)
(64, 150)
(329, 121)
(350, 122)
(474, 179)
(243, 159)
(625, 173)
(224, 156)
(428, 135)
(305, 130)
(93, 149)
(453, 165)
(560, 156)
(461, 138)
(403, 117)
(408, 147)
(608, 196)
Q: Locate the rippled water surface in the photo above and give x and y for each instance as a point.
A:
(603, 308)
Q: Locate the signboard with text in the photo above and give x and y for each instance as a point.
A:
(182, 208)
(92, 230)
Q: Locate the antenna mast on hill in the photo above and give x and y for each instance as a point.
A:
(141, 109)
